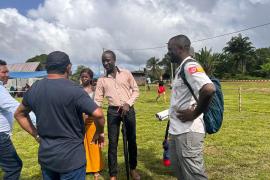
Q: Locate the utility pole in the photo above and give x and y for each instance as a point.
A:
(171, 73)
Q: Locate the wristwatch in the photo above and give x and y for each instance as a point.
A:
(37, 138)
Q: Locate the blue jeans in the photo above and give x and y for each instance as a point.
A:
(77, 174)
(10, 162)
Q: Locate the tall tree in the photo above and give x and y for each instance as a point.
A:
(76, 76)
(39, 58)
(154, 69)
(207, 60)
(266, 69)
(167, 66)
(241, 51)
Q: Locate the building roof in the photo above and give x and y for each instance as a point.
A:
(138, 72)
(23, 67)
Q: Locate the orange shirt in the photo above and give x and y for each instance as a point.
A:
(119, 90)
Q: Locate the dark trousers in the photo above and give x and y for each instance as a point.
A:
(10, 162)
(77, 174)
(114, 119)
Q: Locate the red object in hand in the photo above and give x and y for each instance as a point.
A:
(166, 162)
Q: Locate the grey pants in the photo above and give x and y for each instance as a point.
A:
(186, 155)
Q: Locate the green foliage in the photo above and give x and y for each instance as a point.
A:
(167, 67)
(76, 76)
(154, 68)
(40, 58)
(207, 60)
(240, 51)
(266, 69)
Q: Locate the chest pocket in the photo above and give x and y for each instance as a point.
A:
(178, 86)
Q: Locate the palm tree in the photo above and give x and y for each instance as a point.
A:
(154, 69)
(241, 50)
(167, 66)
(207, 60)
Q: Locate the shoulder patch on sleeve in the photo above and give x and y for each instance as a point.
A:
(195, 68)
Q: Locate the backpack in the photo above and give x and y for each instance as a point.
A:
(213, 116)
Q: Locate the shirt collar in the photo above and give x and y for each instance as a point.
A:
(118, 70)
(189, 57)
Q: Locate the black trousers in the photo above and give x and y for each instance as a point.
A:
(114, 120)
(10, 162)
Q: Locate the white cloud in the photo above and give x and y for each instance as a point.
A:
(83, 27)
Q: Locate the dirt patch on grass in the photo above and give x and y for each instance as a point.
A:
(212, 150)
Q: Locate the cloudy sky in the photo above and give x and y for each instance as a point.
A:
(82, 28)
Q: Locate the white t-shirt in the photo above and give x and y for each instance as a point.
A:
(182, 98)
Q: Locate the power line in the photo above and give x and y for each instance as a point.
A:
(199, 40)
(226, 34)
(141, 49)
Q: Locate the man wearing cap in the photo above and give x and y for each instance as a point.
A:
(59, 104)
(121, 90)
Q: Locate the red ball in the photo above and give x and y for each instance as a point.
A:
(166, 162)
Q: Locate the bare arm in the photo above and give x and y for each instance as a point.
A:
(205, 96)
(22, 116)
(99, 122)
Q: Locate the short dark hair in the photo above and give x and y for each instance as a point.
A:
(88, 71)
(109, 52)
(3, 63)
(57, 62)
(181, 41)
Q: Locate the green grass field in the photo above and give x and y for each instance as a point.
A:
(241, 150)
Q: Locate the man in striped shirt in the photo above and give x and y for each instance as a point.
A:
(121, 91)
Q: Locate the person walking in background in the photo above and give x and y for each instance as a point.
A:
(59, 105)
(161, 90)
(186, 128)
(94, 160)
(121, 90)
(148, 83)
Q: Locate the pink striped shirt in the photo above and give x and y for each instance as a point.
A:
(119, 90)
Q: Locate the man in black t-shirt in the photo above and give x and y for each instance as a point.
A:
(59, 105)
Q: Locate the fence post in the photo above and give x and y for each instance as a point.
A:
(240, 99)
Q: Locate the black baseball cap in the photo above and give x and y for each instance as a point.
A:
(57, 61)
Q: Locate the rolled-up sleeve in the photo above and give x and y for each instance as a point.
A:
(8, 103)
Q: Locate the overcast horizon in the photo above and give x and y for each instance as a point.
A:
(82, 28)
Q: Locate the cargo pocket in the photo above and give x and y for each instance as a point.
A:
(193, 152)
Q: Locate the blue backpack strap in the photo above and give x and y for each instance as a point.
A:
(183, 76)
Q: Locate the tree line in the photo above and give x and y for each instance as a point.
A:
(239, 59)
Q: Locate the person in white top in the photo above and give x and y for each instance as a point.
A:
(10, 162)
(186, 129)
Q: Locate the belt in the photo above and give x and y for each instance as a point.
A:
(117, 107)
